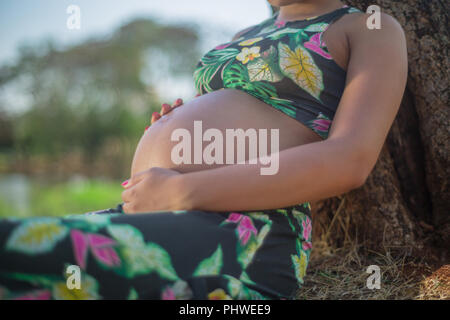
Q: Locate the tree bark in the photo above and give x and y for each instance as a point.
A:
(405, 201)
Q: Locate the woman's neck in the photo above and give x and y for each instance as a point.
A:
(307, 9)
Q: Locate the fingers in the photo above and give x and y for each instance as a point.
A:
(129, 194)
(127, 184)
(177, 103)
(165, 109)
(127, 208)
(155, 116)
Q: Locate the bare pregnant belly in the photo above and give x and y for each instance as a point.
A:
(221, 110)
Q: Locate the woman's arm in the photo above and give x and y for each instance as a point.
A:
(376, 79)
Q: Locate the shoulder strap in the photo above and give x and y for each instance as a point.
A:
(336, 16)
(340, 13)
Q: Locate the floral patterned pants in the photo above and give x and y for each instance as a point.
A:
(156, 255)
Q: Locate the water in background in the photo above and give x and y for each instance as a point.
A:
(25, 196)
(15, 191)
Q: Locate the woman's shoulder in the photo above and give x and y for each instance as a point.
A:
(362, 27)
(361, 22)
(376, 41)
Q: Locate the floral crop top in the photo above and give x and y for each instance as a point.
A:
(284, 64)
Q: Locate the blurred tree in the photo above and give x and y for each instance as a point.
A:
(89, 94)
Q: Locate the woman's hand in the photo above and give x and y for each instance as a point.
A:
(154, 189)
(165, 109)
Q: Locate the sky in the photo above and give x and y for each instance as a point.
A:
(31, 21)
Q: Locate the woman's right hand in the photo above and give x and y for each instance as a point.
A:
(166, 108)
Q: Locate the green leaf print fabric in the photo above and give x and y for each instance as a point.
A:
(160, 255)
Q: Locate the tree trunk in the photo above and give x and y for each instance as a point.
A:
(405, 201)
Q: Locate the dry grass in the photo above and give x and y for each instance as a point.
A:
(437, 285)
(338, 274)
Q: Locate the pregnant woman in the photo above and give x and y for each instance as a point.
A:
(315, 72)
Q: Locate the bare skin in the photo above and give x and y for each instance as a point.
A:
(223, 109)
(227, 109)
(310, 168)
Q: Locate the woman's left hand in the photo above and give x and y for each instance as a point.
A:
(151, 190)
